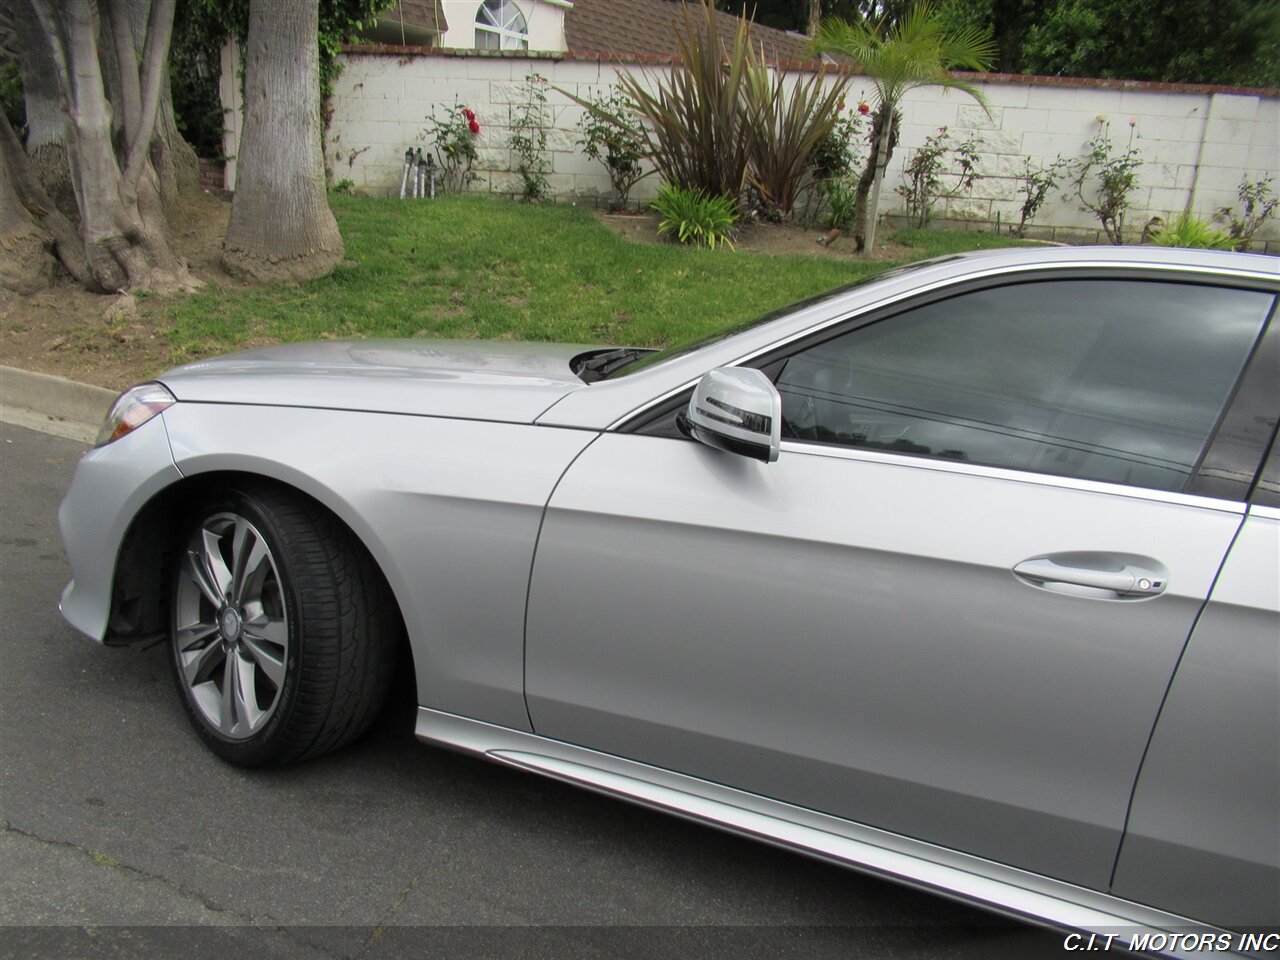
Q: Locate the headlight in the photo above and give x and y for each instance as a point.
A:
(132, 409)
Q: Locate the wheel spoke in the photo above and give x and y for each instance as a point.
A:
(193, 635)
(199, 667)
(227, 712)
(248, 556)
(199, 575)
(246, 700)
(261, 627)
(211, 554)
(271, 663)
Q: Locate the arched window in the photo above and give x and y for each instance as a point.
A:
(501, 26)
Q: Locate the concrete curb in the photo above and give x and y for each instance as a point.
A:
(75, 409)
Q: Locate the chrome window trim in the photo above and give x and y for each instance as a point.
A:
(1022, 476)
(834, 451)
(1264, 512)
(1191, 274)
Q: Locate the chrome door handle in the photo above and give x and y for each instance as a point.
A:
(1115, 575)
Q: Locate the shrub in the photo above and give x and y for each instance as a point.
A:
(1259, 204)
(1037, 181)
(528, 140)
(1189, 231)
(924, 173)
(455, 141)
(694, 217)
(1103, 181)
(833, 154)
(618, 142)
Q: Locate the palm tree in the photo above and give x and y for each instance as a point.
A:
(916, 50)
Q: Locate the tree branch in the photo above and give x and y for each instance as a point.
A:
(117, 25)
(52, 29)
(154, 65)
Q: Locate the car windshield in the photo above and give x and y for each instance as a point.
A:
(644, 360)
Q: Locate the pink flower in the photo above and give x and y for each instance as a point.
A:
(864, 108)
(469, 114)
(475, 127)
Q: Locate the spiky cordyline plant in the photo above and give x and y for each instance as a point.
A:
(786, 121)
(696, 133)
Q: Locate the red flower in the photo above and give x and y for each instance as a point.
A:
(469, 114)
(475, 127)
(863, 108)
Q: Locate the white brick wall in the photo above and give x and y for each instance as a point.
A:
(1189, 141)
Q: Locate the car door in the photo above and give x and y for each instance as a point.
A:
(1203, 835)
(953, 605)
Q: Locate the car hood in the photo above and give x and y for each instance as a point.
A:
(482, 380)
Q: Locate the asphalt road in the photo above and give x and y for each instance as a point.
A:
(123, 837)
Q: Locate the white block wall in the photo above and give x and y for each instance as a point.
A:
(1196, 142)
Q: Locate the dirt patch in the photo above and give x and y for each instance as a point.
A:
(777, 239)
(110, 341)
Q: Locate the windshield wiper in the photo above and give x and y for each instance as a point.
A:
(600, 365)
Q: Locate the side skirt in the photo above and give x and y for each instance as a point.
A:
(1006, 890)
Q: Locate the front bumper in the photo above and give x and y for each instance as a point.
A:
(110, 486)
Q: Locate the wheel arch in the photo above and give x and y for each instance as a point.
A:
(140, 599)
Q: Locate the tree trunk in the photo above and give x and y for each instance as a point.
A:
(174, 159)
(177, 170)
(281, 226)
(884, 137)
(121, 221)
(26, 259)
(46, 138)
(815, 17)
(26, 187)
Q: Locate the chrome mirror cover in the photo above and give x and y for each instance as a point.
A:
(736, 409)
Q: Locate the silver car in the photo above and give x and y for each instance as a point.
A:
(966, 577)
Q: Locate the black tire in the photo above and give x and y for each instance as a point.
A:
(296, 658)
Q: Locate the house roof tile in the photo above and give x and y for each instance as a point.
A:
(650, 27)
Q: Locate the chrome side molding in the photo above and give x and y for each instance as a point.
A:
(994, 886)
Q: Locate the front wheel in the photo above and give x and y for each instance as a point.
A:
(283, 631)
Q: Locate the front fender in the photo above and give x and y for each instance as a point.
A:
(449, 509)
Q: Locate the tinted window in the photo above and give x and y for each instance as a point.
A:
(1119, 380)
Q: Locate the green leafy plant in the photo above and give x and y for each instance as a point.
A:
(528, 139)
(1190, 231)
(833, 154)
(1036, 185)
(455, 145)
(1259, 203)
(1103, 179)
(617, 143)
(11, 101)
(928, 164)
(831, 189)
(694, 217)
(842, 201)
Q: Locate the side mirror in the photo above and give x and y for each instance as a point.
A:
(736, 409)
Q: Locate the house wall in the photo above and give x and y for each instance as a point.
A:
(545, 19)
(1196, 142)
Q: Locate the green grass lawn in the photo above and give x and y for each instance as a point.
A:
(475, 267)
